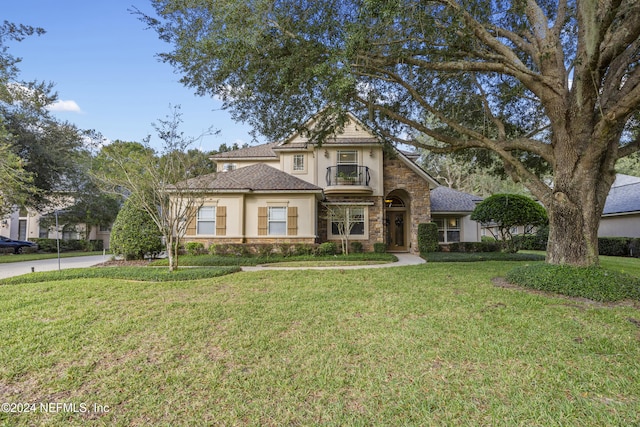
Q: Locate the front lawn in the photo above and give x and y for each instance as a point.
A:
(35, 257)
(435, 344)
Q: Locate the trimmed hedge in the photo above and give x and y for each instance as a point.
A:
(428, 237)
(594, 283)
(614, 246)
(69, 245)
(379, 248)
(471, 247)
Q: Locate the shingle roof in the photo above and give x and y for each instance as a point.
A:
(258, 151)
(258, 177)
(624, 196)
(445, 199)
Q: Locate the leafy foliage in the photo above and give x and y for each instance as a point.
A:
(507, 211)
(157, 180)
(428, 237)
(500, 78)
(594, 283)
(134, 234)
(327, 248)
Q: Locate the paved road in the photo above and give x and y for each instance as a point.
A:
(17, 268)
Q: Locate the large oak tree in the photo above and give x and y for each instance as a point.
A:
(551, 81)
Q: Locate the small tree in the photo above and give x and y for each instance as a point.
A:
(341, 216)
(155, 180)
(134, 233)
(507, 211)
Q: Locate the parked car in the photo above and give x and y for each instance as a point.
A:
(16, 245)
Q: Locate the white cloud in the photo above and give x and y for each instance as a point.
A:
(65, 106)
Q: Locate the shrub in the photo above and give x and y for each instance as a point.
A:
(634, 248)
(327, 248)
(379, 248)
(428, 237)
(356, 247)
(614, 246)
(51, 245)
(303, 249)
(194, 248)
(594, 283)
(472, 247)
(134, 233)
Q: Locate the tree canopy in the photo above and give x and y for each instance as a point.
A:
(39, 155)
(506, 211)
(552, 82)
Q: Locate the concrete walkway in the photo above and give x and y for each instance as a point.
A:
(11, 269)
(403, 259)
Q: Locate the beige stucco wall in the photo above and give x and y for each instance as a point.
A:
(620, 226)
(470, 230)
(242, 217)
(306, 212)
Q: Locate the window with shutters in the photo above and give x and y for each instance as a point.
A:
(277, 221)
(206, 223)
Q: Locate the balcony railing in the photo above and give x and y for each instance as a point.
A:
(348, 175)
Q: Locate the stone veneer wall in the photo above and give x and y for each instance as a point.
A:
(398, 176)
(376, 220)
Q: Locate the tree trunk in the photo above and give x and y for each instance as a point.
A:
(574, 217)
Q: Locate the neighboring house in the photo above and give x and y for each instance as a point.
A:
(621, 214)
(24, 224)
(280, 193)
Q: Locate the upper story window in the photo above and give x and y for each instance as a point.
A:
(298, 162)
(347, 157)
(347, 163)
(227, 167)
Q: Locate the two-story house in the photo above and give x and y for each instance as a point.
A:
(283, 193)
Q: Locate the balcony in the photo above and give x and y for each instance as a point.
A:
(348, 179)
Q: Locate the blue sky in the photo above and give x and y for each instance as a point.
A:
(103, 62)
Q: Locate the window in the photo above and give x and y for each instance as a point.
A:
(448, 229)
(298, 162)
(347, 163)
(277, 221)
(206, 220)
(227, 167)
(351, 218)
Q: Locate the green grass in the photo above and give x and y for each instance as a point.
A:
(34, 257)
(435, 344)
(481, 256)
(147, 274)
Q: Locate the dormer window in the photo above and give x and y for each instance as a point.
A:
(227, 167)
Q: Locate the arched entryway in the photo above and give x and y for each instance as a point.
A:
(396, 214)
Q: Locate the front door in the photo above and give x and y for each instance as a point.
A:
(396, 231)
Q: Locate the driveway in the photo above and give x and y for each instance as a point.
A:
(17, 268)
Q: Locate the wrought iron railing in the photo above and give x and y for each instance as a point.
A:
(348, 175)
